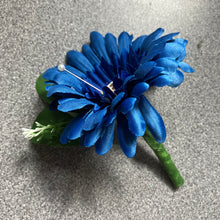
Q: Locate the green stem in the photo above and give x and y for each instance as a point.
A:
(165, 159)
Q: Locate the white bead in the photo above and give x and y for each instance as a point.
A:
(61, 67)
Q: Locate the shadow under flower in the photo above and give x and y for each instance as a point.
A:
(69, 174)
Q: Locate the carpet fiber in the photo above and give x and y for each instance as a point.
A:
(39, 182)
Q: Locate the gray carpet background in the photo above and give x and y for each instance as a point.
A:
(74, 183)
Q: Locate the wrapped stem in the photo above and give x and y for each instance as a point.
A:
(165, 159)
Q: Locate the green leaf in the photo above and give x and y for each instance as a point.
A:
(40, 87)
(52, 124)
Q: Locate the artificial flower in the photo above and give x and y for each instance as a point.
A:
(106, 83)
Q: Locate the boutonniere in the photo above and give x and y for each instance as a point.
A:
(103, 87)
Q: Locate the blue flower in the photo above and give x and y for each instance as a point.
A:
(106, 82)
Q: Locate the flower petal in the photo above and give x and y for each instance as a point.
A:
(62, 89)
(156, 71)
(169, 64)
(139, 89)
(181, 41)
(153, 120)
(150, 38)
(161, 80)
(104, 144)
(102, 74)
(127, 105)
(117, 99)
(172, 79)
(126, 139)
(181, 57)
(110, 117)
(73, 130)
(124, 42)
(153, 51)
(144, 69)
(137, 43)
(108, 69)
(79, 61)
(89, 138)
(75, 71)
(111, 45)
(94, 119)
(88, 52)
(64, 78)
(124, 59)
(177, 78)
(126, 81)
(136, 122)
(97, 43)
(173, 50)
(165, 38)
(96, 79)
(70, 104)
(186, 68)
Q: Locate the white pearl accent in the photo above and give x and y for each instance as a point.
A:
(61, 67)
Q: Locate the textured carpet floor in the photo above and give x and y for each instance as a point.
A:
(75, 183)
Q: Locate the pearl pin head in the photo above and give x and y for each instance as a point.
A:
(61, 67)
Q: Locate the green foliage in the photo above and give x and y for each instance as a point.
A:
(48, 125)
(48, 128)
(40, 87)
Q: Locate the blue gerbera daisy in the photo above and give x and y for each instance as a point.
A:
(106, 82)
